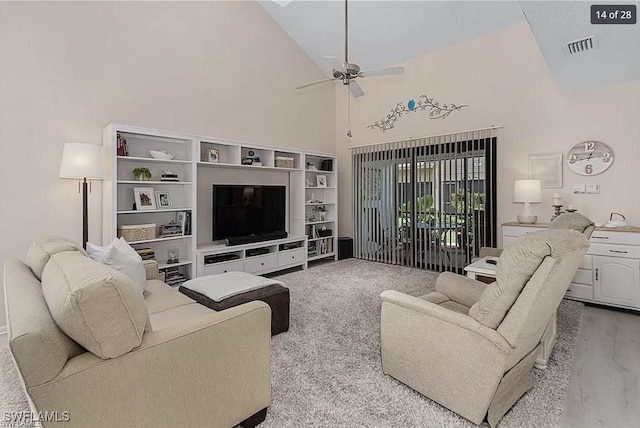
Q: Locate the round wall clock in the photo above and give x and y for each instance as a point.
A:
(590, 158)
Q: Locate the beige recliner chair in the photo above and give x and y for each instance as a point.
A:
(471, 346)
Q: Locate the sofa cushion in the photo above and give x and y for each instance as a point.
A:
(159, 297)
(95, 305)
(42, 249)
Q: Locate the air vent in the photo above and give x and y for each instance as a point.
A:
(582, 45)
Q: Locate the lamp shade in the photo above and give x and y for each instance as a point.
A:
(527, 191)
(81, 160)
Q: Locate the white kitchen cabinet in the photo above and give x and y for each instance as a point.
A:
(617, 281)
(610, 272)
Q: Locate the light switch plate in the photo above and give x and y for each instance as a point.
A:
(579, 188)
(593, 188)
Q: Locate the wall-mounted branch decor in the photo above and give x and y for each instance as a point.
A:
(424, 103)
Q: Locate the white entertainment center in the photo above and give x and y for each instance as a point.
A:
(200, 162)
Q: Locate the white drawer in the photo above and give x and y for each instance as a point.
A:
(580, 291)
(584, 276)
(587, 262)
(609, 237)
(260, 263)
(520, 230)
(223, 267)
(291, 257)
(624, 251)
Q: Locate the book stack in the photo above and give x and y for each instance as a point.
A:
(326, 246)
(146, 253)
(312, 232)
(312, 249)
(173, 276)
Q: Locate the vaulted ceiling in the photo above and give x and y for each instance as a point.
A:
(385, 33)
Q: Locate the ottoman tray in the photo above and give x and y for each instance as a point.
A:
(274, 295)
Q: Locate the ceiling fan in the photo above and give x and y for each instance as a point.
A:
(347, 72)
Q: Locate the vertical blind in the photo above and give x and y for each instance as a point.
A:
(428, 202)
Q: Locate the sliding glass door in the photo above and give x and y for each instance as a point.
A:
(427, 203)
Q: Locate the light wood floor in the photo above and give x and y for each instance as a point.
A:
(604, 389)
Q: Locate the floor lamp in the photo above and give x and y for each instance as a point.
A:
(82, 162)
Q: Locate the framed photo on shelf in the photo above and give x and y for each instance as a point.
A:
(213, 155)
(145, 198)
(547, 168)
(321, 181)
(163, 200)
(181, 219)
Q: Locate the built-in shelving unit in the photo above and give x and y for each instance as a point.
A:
(321, 205)
(128, 148)
(311, 180)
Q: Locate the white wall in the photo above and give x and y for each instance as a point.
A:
(505, 81)
(222, 69)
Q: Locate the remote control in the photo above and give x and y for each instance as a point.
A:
(492, 262)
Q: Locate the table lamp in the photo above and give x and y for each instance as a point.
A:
(82, 161)
(527, 192)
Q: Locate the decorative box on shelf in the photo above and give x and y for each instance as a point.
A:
(137, 232)
(170, 230)
(284, 162)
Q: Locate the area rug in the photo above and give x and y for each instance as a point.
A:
(326, 370)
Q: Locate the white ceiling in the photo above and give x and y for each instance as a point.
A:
(384, 33)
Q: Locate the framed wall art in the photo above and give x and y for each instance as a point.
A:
(547, 168)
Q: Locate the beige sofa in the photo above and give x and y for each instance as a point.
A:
(192, 367)
(471, 346)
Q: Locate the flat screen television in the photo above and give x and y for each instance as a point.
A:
(246, 210)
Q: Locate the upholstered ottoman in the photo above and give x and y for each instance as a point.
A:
(230, 289)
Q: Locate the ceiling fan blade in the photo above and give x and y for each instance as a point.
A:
(389, 71)
(315, 83)
(333, 62)
(355, 89)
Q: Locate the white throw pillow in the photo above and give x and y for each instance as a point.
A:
(96, 251)
(120, 256)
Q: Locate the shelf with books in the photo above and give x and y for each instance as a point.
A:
(152, 205)
(321, 204)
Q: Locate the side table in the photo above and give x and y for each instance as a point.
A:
(480, 269)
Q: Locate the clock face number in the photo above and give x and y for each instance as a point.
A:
(589, 146)
(590, 158)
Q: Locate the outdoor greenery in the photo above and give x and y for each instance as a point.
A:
(475, 201)
(426, 212)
